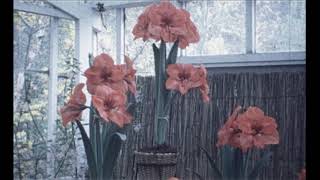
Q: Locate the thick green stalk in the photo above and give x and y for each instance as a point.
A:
(160, 116)
(163, 97)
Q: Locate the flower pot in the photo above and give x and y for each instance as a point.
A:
(155, 166)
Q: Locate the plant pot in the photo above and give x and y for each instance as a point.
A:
(155, 166)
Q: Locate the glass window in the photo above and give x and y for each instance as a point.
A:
(140, 52)
(280, 25)
(221, 25)
(107, 35)
(31, 81)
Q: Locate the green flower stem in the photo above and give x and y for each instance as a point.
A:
(163, 97)
(161, 124)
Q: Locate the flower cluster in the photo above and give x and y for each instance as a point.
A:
(108, 84)
(73, 109)
(183, 77)
(105, 72)
(164, 21)
(248, 129)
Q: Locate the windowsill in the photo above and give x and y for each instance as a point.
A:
(237, 60)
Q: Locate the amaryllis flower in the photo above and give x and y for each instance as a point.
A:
(103, 72)
(164, 21)
(228, 130)
(167, 21)
(182, 77)
(129, 72)
(248, 129)
(111, 105)
(192, 35)
(302, 174)
(73, 109)
(140, 30)
(262, 128)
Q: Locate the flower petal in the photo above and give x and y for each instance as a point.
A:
(172, 84)
(103, 61)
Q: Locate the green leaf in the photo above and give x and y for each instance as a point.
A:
(92, 131)
(216, 172)
(99, 149)
(172, 58)
(89, 152)
(156, 53)
(228, 162)
(111, 154)
(108, 130)
(123, 137)
(131, 108)
(261, 163)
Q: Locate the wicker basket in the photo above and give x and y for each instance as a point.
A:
(155, 166)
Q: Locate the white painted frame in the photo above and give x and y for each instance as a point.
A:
(52, 101)
(240, 60)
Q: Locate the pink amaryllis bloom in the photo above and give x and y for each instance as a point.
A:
(183, 77)
(140, 30)
(228, 130)
(164, 21)
(248, 129)
(73, 109)
(129, 72)
(302, 174)
(111, 105)
(262, 128)
(192, 34)
(102, 72)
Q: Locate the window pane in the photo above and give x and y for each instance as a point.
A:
(221, 25)
(107, 37)
(140, 52)
(298, 25)
(31, 60)
(66, 51)
(67, 71)
(280, 25)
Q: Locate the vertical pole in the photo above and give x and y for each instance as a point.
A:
(250, 24)
(120, 35)
(52, 105)
(78, 142)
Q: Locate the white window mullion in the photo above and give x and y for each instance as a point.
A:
(250, 26)
(52, 105)
(120, 35)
